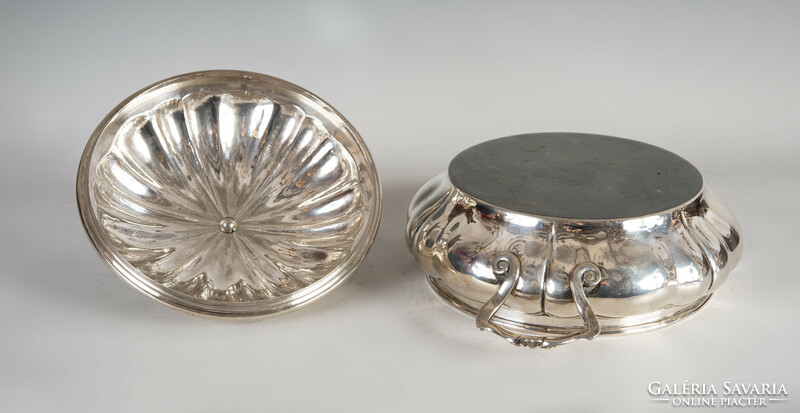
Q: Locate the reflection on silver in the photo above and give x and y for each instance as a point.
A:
(229, 193)
(543, 281)
(506, 266)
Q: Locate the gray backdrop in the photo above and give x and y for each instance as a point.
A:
(716, 82)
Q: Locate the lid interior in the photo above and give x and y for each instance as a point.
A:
(229, 193)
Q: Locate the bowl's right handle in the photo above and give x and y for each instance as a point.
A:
(506, 265)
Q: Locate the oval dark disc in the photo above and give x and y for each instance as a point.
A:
(575, 176)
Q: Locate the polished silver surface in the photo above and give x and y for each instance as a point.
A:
(506, 266)
(229, 193)
(543, 280)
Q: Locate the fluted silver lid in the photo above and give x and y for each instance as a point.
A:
(229, 193)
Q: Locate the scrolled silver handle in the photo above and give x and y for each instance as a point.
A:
(507, 266)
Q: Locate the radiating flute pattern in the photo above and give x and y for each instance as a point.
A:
(229, 196)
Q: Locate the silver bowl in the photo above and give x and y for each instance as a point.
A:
(549, 238)
(229, 193)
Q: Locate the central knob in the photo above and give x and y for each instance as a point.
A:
(228, 225)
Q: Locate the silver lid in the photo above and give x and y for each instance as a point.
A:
(229, 193)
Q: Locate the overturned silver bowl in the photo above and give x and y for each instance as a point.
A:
(553, 237)
(229, 193)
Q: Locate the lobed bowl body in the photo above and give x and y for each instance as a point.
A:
(655, 268)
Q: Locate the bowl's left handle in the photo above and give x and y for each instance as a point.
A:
(506, 265)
